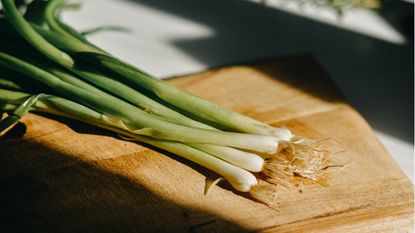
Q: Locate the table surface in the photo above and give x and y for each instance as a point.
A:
(361, 52)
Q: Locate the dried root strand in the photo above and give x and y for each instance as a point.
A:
(299, 157)
(265, 193)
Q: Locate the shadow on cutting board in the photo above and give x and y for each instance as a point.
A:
(44, 190)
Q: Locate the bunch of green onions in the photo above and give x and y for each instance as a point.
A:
(47, 66)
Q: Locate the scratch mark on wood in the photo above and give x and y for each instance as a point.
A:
(200, 225)
(324, 215)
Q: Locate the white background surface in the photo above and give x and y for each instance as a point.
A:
(368, 55)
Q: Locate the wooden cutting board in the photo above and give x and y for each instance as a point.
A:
(59, 175)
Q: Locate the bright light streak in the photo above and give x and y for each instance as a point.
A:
(360, 20)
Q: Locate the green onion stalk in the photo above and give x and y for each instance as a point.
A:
(189, 103)
(83, 82)
(139, 121)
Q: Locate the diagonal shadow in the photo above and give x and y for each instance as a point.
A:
(381, 73)
(393, 12)
(44, 190)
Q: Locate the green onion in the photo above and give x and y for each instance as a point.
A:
(83, 82)
(50, 14)
(240, 179)
(181, 99)
(184, 100)
(140, 121)
(15, 18)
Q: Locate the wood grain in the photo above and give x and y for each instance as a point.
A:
(59, 175)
